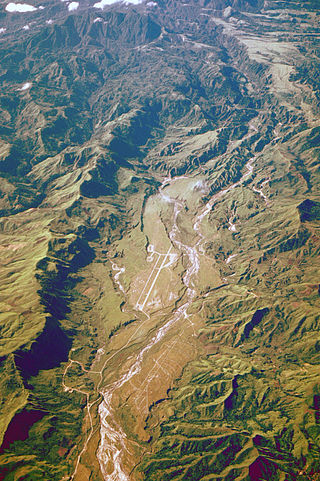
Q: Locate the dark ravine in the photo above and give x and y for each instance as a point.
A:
(18, 429)
(48, 351)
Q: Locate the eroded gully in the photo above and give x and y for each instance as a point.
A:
(113, 443)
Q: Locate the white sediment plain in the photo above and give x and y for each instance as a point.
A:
(113, 443)
(229, 259)
(119, 271)
(232, 226)
(260, 192)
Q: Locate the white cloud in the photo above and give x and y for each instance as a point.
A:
(104, 3)
(49, 22)
(26, 86)
(73, 6)
(2, 29)
(20, 7)
(26, 27)
(41, 7)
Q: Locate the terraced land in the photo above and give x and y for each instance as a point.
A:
(159, 241)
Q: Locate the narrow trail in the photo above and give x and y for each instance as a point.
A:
(89, 406)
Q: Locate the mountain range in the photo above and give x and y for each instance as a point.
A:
(159, 240)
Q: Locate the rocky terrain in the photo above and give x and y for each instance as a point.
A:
(159, 240)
